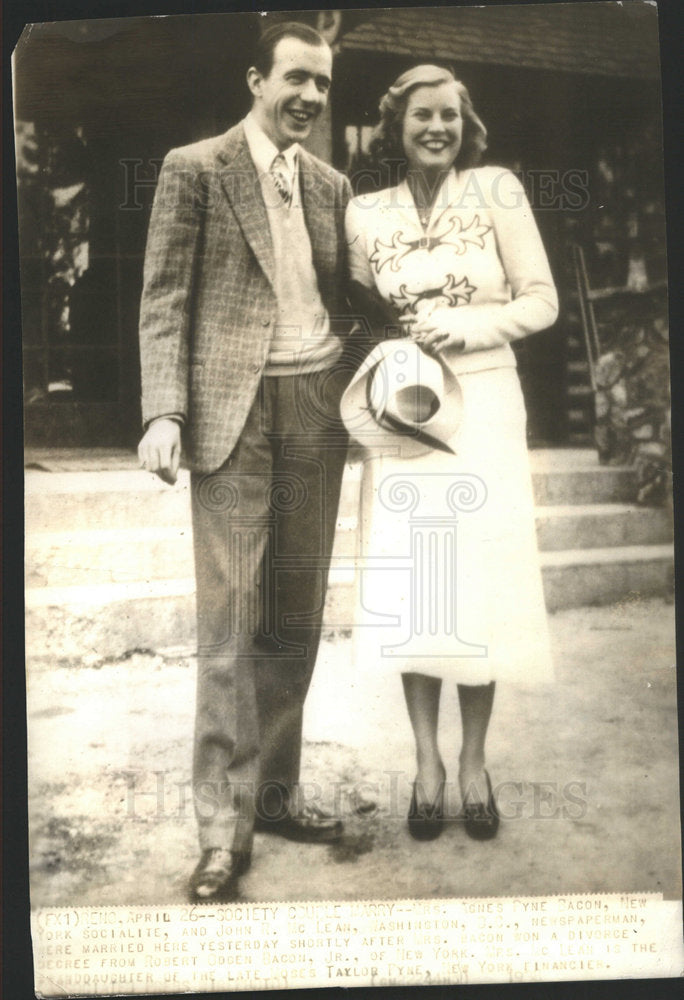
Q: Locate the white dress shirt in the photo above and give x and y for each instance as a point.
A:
(263, 152)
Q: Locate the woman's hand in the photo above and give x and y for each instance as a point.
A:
(439, 329)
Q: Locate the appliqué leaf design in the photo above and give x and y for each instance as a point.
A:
(448, 231)
(454, 292)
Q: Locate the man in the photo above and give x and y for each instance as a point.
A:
(244, 275)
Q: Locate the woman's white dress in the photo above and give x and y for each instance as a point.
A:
(449, 581)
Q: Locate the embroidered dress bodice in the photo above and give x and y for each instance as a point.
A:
(480, 253)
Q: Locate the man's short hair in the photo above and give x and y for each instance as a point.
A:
(265, 47)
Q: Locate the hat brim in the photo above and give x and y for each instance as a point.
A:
(387, 435)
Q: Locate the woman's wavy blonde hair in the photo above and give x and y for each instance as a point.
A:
(386, 143)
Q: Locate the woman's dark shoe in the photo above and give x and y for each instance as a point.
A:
(482, 820)
(426, 819)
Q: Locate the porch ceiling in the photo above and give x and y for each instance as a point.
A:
(136, 69)
(588, 38)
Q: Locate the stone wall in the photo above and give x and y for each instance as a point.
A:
(627, 270)
(632, 396)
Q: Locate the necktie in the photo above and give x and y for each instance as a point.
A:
(281, 179)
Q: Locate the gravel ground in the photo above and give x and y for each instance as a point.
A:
(586, 771)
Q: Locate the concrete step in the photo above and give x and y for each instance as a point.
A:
(579, 417)
(580, 367)
(107, 620)
(109, 552)
(126, 555)
(600, 484)
(92, 623)
(58, 502)
(110, 499)
(62, 501)
(592, 526)
(115, 555)
(579, 389)
(578, 578)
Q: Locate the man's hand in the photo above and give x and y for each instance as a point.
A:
(160, 449)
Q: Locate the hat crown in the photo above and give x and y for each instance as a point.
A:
(408, 385)
(415, 404)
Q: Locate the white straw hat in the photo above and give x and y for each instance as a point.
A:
(404, 400)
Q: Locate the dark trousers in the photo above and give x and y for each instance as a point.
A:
(263, 527)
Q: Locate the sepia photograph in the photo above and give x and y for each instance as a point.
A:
(349, 531)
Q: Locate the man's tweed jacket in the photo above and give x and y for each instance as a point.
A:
(208, 307)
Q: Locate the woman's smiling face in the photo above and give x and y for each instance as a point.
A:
(432, 129)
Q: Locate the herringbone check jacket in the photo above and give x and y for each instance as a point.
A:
(208, 306)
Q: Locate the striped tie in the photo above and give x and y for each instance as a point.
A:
(280, 178)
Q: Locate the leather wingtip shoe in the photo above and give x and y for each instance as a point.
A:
(310, 825)
(215, 879)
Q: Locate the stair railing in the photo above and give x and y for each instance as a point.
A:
(589, 328)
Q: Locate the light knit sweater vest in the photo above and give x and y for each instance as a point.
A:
(302, 341)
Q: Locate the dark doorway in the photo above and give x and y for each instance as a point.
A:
(98, 105)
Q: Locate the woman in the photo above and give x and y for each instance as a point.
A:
(455, 250)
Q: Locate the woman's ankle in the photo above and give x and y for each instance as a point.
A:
(430, 763)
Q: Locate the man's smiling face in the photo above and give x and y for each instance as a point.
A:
(295, 92)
